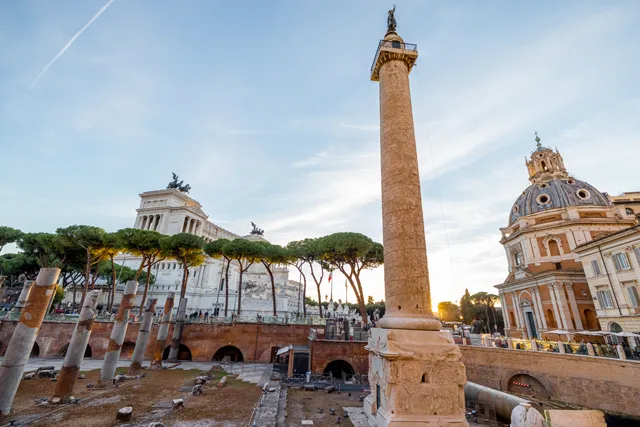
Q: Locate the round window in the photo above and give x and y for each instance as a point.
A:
(543, 185)
(571, 182)
(515, 209)
(583, 194)
(543, 199)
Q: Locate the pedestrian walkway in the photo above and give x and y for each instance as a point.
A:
(255, 373)
(357, 417)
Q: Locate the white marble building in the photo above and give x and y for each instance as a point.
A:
(171, 211)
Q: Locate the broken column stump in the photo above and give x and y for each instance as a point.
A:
(124, 414)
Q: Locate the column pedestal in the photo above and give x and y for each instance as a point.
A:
(416, 378)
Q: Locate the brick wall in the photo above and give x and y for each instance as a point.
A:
(252, 339)
(352, 352)
(599, 383)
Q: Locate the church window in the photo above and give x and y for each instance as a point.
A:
(516, 209)
(583, 194)
(621, 261)
(595, 267)
(571, 182)
(517, 256)
(543, 165)
(554, 249)
(543, 199)
(629, 211)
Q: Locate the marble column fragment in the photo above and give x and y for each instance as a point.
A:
(177, 331)
(118, 332)
(143, 337)
(24, 336)
(24, 294)
(77, 347)
(163, 331)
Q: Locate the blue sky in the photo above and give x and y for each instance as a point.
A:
(267, 110)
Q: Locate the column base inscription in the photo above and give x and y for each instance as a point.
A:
(416, 378)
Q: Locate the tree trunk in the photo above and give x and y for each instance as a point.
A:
(146, 288)
(185, 279)
(318, 288)
(304, 291)
(112, 297)
(359, 296)
(240, 291)
(273, 287)
(226, 288)
(143, 261)
(87, 274)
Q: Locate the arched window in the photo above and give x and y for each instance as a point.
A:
(554, 249)
(629, 211)
(517, 258)
(543, 165)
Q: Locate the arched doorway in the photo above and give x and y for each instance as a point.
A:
(126, 351)
(228, 353)
(184, 353)
(527, 385)
(590, 319)
(339, 369)
(274, 357)
(63, 351)
(35, 350)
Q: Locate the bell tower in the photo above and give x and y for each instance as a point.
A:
(545, 164)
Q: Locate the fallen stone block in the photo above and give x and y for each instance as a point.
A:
(124, 414)
(55, 400)
(223, 382)
(307, 422)
(47, 373)
(309, 387)
(45, 368)
(82, 376)
(330, 389)
(156, 424)
(197, 390)
(29, 376)
(202, 379)
(177, 404)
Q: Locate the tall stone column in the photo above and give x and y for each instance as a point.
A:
(415, 370)
(143, 337)
(77, 347)
(24, 294)
(163, 331)
(24, 336)
(118, 332)
(177, 331)
(563, 306)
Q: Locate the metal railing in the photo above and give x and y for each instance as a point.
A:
(581, 349)
(393, 44)
(272, 320)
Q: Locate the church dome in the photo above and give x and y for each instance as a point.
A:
(556, 193)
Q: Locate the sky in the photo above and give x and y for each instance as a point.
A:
(268, 111)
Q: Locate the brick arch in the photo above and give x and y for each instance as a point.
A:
(348, 367)
(524, 383)
(508, 375)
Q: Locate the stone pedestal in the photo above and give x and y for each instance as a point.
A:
(416, 378)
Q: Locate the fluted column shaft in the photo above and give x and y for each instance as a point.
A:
(406, 275)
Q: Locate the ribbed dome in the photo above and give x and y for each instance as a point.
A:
(556, 193)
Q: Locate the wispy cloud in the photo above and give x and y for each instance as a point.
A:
(70, 42)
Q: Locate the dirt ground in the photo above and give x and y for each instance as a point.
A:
(229, 406)
(303, 405)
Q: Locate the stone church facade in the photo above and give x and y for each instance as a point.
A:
(546, 288)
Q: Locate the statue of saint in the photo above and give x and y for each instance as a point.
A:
(391, 20)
